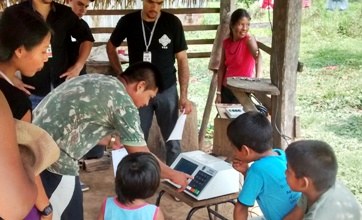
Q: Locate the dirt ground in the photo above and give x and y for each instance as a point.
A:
(101, 185)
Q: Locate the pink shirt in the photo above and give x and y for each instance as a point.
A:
(238, 59)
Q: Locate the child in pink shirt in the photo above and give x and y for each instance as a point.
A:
(137, 178)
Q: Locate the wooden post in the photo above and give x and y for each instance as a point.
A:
(207, 110)
(283, 67)
(226, 6)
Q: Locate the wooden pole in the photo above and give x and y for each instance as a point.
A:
(283, 67)
(207, 110)
(226, 6)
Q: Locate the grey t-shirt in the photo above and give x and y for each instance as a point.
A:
(337, 203)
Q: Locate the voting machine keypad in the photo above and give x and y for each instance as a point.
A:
(198, 183)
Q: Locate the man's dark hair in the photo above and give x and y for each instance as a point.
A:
(137, 177)
(144, 71)
(252, 129)
(313, 159)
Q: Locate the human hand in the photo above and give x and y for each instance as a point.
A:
(18, 83)
(240, 166)
(185, 105)
(72, 72)
(180, 178)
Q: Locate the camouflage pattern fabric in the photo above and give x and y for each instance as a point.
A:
(83, 110)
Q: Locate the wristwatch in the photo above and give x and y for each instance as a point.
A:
(47, 210)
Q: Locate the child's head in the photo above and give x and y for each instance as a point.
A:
(143, 82)
(252, 130)
(239, 24)
(311, 161)
(24, 38)
(137, 177)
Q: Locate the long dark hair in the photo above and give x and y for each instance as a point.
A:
(20, 27)
(236, 16)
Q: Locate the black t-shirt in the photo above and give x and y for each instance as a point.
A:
(18, 101)
(65, 24)
(168, 39)
(74, 48)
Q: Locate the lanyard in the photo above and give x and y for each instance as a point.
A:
(6, 78)
(147, 45)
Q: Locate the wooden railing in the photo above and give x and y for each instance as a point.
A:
(200, 52)
(179, 11)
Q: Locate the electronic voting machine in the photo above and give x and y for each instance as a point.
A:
(213, 177)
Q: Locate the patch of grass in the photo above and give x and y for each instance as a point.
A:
(329, 94)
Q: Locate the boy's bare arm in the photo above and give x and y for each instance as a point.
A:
(295, 214)
(240, 211)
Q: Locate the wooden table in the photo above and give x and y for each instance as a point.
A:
(196, 204)
(242, 86)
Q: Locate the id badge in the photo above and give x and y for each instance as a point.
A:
(49, 51)
(147, 56)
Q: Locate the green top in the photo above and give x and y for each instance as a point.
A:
(337, 203)
(83, 110)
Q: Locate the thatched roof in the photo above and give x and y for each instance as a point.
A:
(123, 4)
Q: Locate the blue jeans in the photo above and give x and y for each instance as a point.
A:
(35, 100)
(165, 107)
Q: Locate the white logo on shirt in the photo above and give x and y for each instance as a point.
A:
(164, 41)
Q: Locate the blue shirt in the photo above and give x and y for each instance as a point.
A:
(266, 183)
(115, 210)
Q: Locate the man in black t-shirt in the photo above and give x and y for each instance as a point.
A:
(158, 37)
(65, 24)
(79, 7)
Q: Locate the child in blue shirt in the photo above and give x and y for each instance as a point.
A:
(137, 178)
(265, 180)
